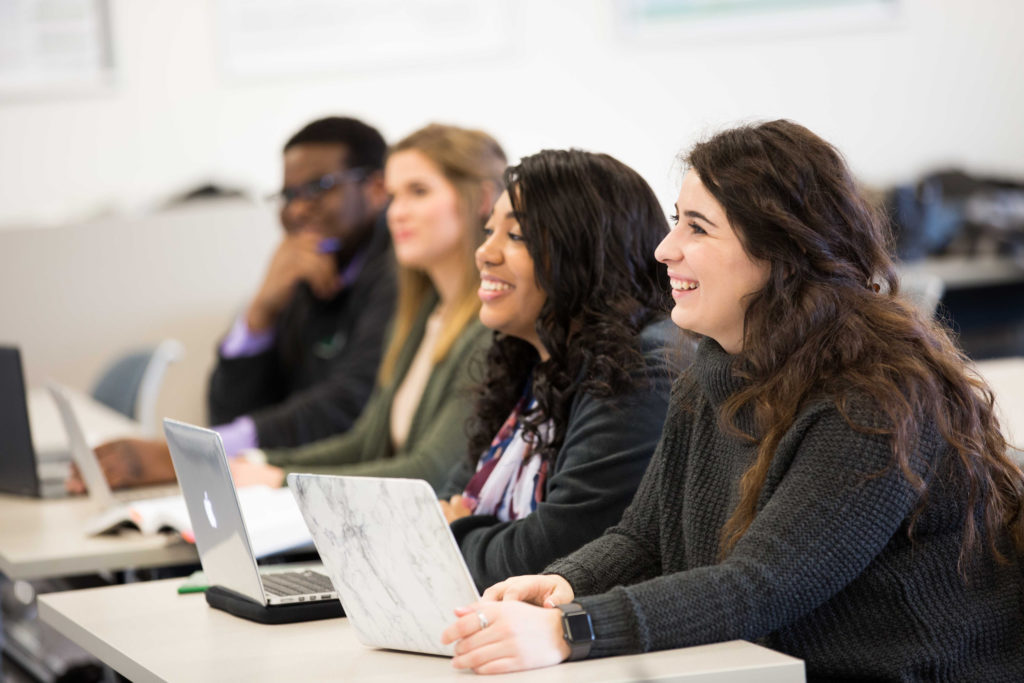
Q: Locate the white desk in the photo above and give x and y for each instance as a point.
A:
(148, 632)
(46, 538)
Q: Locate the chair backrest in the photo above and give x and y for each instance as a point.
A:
(131, 384)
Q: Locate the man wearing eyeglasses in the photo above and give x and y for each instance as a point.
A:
(301, 360)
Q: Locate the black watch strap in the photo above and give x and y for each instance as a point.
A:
(577, 630)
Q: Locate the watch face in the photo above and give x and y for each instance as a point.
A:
(578, 627)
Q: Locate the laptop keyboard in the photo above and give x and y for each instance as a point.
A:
(306, 582)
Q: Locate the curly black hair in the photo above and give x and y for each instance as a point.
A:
(591, 225)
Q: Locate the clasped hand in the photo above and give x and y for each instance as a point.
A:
(522, 630)
(455, 508)
(298, 258)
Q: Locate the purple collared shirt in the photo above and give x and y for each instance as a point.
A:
(238, 435)
(241, 342)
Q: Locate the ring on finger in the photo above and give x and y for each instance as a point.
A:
(483, 620)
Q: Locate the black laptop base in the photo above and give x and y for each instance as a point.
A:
(233, 603)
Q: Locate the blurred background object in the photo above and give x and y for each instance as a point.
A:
(967, 231)
(131, 383)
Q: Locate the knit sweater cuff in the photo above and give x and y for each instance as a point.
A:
(578, 576)
(615, 628)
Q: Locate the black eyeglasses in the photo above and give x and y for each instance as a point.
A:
(314, 189)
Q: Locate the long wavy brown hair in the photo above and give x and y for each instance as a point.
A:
(849, 334)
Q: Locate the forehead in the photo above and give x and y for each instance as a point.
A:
(309, 161)
(693, 196)
(410, 165)
(503, 207)
(501, 214)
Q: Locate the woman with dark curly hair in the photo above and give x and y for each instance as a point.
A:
(578, 377)
(831, 480)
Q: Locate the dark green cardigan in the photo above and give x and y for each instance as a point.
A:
(437, 436)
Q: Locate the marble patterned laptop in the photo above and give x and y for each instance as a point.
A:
(391, 556)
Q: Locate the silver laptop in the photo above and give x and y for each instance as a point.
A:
(89, 465)
(224, 544)
(391, 555)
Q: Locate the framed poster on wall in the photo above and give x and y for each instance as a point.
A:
(647, 20)
(260, 38)
(55, 48)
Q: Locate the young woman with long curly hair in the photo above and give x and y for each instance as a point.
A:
(577, 380)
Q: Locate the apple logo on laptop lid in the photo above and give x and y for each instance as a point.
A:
(208, 506)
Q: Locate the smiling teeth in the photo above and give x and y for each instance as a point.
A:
(679, 284)
(494, 286)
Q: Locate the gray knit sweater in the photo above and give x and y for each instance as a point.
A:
(825, 572)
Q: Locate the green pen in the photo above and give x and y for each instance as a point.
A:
(195, 583)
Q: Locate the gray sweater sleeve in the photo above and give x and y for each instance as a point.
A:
(835, 509)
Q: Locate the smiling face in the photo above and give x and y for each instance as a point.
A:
(424, 217)
(511, 299)
(710, 272)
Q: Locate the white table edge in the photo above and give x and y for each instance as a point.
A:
(93, 644)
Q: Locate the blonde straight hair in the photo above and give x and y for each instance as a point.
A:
(473, 162)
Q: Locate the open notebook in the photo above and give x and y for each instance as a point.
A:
(271, 514)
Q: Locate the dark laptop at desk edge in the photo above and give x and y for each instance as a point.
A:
(19, 472)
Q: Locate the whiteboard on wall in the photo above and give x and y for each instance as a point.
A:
(55, 47)
(260, 38)
(653, 21)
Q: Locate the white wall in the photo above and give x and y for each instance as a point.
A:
(75, 297)
(944, 85)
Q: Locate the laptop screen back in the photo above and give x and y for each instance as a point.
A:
(225, 550)
(88, 465)
(18, 473)
(390, 555)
